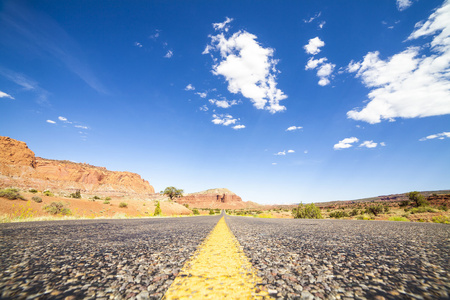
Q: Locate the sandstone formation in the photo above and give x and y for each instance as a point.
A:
(213, 198)
(20, 167)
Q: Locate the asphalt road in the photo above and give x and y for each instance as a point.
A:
(139, 259)
(338, 259)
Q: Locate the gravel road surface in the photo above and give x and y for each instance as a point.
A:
(338, 259)
(98, 259)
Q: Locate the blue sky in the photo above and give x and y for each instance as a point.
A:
(280, 102)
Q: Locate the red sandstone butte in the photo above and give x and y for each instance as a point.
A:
(19, 167)
(213, 198)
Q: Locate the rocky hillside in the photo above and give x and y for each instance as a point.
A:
(214, 198)
(19, 167)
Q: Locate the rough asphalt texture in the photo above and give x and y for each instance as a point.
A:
(338, 259)
(98, 259)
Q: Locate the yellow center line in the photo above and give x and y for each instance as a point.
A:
(219, 269)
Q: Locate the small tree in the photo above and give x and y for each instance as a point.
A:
(157, 209)
(211, 212)
(309, 211)
(173, 192)
(417, 198)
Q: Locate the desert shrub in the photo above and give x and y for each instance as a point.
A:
(443, 207)
(338, 214)
(48, 193)
(421, 209)
(195, 211)
(402, 219)
(157, 209)
(417, 198)
(354, 212)
(386, 208)
(11, 194)
(96, 198)
(374, 209)
(106, 202)
(108, 198)
(57, 208)
(123, 204)
(309, 211)
(186, 205)
(404, 203)
(37, 199)
(34, 191)
(211, 212)
(364, 217)
(76, 195)
(441, 219)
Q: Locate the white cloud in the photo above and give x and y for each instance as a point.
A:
(51, 122)
(313, 18)
(292, 128)
(345, 143)
(202, 95)
(409, 84)
(204, 108)
(81, 126)
(291, 151)
(223, 26)
(248, 68)
(314, 45)
(189, 87)
(281, 153)
(239, 127)
(322, 24)
(169, 54)
(383, 144)
(155, 35)
(137, 44)
(223, 119)
(274, 164)
(223, 103)
(403, 4)
(368, 144)
(439, 136)
(324, 70)
(5, 95)
(64, 119)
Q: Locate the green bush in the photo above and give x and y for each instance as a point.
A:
(106, 202)
(34, 191)
(157, 209)
(48, 193)
(96, 198)
(37, 199)
(76, 195)
(354, 212)
(57, 208)
(11, 194)
(374, 209)
(108, 198)
(364, 217)
(402, 219)
(417, 198)
(338, 214)
(211, 212)
(404, 203)
(186, 205)
(309, 211)
(441, 219)
(386, 208)
(195, 211)
(123, 204)
(421, 209)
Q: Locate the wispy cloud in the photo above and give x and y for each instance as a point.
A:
(281, 153)
(204, 108)
(412, 83)
(189, 87)
(202, 94)
(293, 128)
(237, 127)
(247, 67)
(403, 4)
(169, 54)
(5, 95)
(223, 103)
(41, 33)
(368, 144)
(51, 122)
(291, 151)
(345, 143)
(63, 119)
(313, 17)
(224, 25)
(223, 119)
(439, 136)
(137, 44)
(81, 126)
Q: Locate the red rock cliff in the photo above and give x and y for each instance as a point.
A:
(214, 198)
(19, 167)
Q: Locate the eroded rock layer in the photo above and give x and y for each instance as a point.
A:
(20, 167)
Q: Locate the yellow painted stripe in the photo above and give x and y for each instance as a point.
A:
(219, 269)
